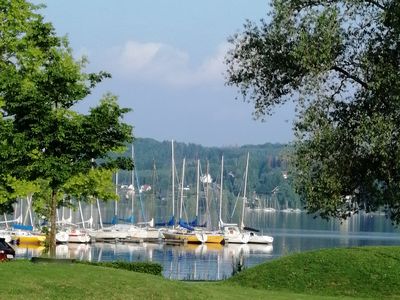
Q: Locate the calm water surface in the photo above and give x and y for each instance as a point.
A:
(293, 232)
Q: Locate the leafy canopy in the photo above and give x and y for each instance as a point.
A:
(42, 139)
(339, 62)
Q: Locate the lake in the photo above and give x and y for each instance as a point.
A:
(293, 232)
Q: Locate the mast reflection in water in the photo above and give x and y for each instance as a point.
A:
(183, 262)
(292, 233)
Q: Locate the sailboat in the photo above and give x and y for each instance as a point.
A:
(110, 232)
(254, 235)
(185, 232)
(165, 232)
(213, 237)
(231, 232)
(6, 233)
(25, 234)
(75, 234)
(141, 231)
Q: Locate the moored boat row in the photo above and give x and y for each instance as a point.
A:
(230, 234)
(186, 232)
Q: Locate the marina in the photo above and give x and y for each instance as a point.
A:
(296, 232)
(125, 230)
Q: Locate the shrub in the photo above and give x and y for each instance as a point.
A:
(141, 267)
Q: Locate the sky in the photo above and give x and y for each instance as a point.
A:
(166, 60)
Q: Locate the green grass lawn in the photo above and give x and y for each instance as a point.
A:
(370, 272)
(357, 272)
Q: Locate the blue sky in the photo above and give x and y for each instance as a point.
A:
(166, 59)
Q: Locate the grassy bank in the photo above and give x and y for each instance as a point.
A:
(360, 272)
(25, 280)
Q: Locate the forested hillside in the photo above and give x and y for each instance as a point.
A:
(268, 184)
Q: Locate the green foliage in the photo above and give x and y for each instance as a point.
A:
(141, 267)
(355, 273)
(96, 184)
(77, 281)
(267, 164)
(237, 266)
(330, 272)
(338, 61)
(265, 160)
(42, 138)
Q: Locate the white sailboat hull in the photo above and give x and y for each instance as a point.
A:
(233, 235)
(108, 234)
(146, 234)
(78, 236)
(62, 237)
(189, 237)
(6, 235)
(242, 238)
(139, 233)
(260, 239)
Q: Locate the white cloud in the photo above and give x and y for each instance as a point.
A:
(213, 67)
(166, 64)
(135, 56)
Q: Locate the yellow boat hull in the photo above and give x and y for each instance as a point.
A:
(184, 237)
(193, 239)
(30, 239)
(215, 239)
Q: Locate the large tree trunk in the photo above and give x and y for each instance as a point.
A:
(53, 225)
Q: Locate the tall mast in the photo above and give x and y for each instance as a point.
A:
(220, 193)
(116, 192)
(182, 185)
(91, 203)
(5, 219)
(70, 212)
(81, 214)
(173, 179)
(133, 185)
(91, 215)
(208, 215)
(245, 191)
(21, 211)
(99, 211)
(154, 183)
(197, 188)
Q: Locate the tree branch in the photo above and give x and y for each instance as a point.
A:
(338, 89)
(311, 3)
(348, 75)
(376, 3)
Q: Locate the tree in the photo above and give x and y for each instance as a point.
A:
(339, 62)
(43, 138)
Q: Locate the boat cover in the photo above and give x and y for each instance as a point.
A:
(22, 227)
(185, 225)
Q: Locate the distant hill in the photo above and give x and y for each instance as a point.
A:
(268, 184)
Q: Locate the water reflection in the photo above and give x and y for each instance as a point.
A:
(210, 262)
(28, 250)
(292, 233)
(184, 262)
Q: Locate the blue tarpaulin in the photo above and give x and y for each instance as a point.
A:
(185, 225)
(171, 222)
(22, 227)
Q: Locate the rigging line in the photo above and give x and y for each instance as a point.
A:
(138, 188)
(201, 195)
(238, 196)
(185, 211)
(208, 213)
(140, 197)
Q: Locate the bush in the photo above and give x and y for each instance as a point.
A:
(141, 267)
